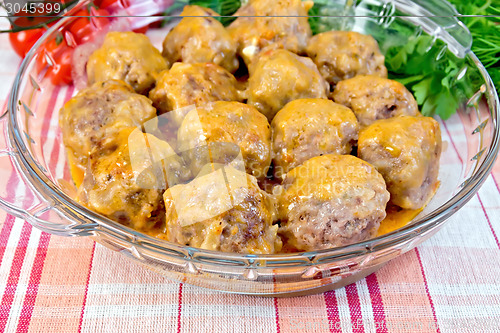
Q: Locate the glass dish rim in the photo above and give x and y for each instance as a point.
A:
(418, 226)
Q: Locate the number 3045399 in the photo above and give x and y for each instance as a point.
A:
(31, 7)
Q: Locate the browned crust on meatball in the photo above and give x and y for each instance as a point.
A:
(406, 151)
(126, 56)
(341, 55)
(227, 122)
(277, 24)
(200, 38)
(372, 98)
(330, 201)
(245, 226)
(193, 85)
(279, 77)
(311, 127)
(98, 113)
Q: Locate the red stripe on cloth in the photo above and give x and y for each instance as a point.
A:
(332, 311)
(354, 308)
(377, 303)
(36, 273)
(15, 272)
(32, 291)
(12, 183)
(86, 289)
(427, 289)
(5, 233)
(276, 312)
(179, 309)
(488, 220)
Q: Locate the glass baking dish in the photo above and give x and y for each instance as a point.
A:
(37, 184)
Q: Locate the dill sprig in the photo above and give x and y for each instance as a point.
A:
(483, 21)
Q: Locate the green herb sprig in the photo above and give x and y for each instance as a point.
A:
(439, 80)
(484, 26)
(225, 8)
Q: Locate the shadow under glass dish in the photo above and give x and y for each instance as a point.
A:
(38, 186)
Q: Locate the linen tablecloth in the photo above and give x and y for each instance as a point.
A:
(451, 283)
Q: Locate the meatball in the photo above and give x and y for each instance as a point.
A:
(193, 84)
(253, 31)
(279, 77)
(119, 185)
(372, 98)
(341, 55)
(406, 151)
(222, 210)
(227, 122)
(331, 200)
(100, 112)
(305, 128)
(200, 39)
(129, 57)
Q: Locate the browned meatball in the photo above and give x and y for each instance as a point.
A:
(279, 77)
(223, 210)
(305, 128)
(100, 112)
(129, 57)
(200, 39)
(406, 151)
(227, 122)
(193, 85)
(341, 55)
(118, 185)
(372, 98)
(253, 30)
(331, 200)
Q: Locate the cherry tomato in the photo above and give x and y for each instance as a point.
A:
(57, 57)
(84, 28)
(22, 41)
(60, 73)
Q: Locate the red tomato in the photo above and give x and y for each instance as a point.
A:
(57, 56)
(22, 41)
(83, 28)
(60, 73)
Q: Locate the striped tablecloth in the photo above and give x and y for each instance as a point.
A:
(451, 283)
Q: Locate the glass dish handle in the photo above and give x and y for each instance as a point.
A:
(22, 200)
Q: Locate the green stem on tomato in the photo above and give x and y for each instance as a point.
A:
(55, 15)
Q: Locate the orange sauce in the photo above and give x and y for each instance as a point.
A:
(76, 171)
(396, 218)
